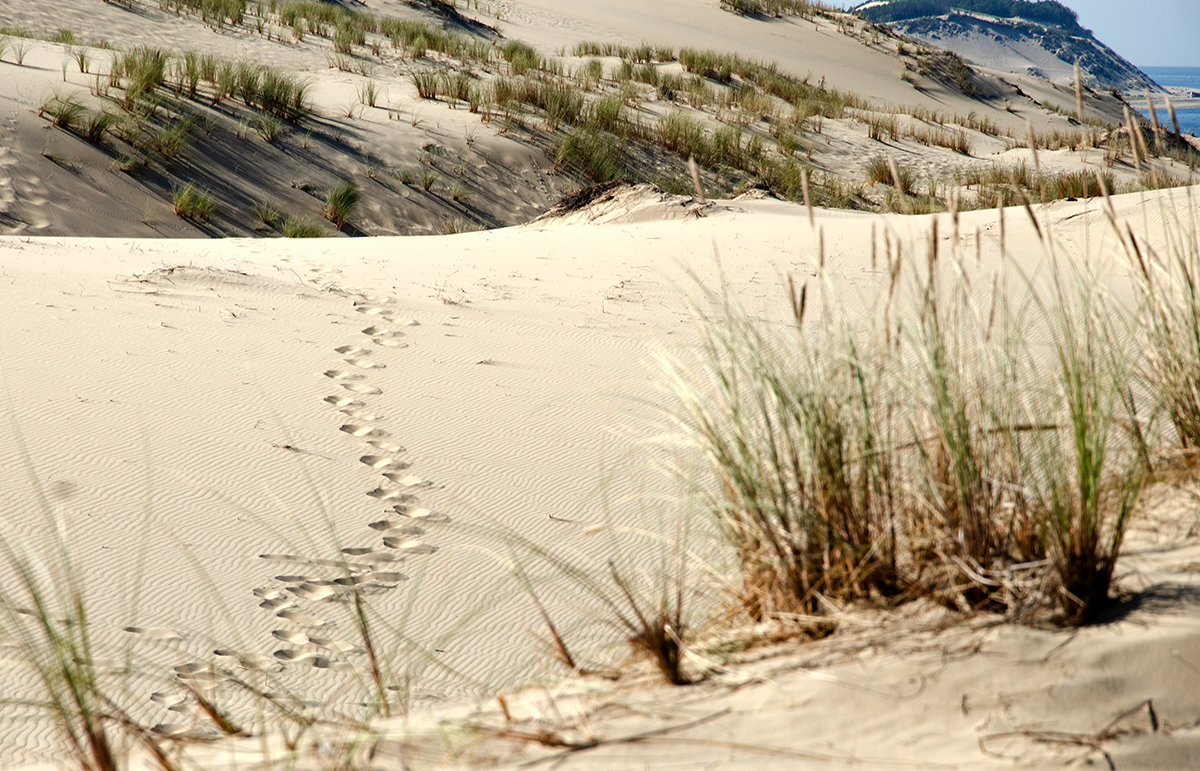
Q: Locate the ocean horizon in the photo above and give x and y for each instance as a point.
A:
(1186, 77)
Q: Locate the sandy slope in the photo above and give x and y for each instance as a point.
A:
(189, 406)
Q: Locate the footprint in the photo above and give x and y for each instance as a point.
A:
(345, 401)
(408, 545)
(386, 446)
(362, 388)
(365, 364)
(389, 343)
(248, 660)
(155, 633)
(268, 594)
(352, 350)
(171, 729)
(323, 662)
(358, 552)
(280, 604)
(288, 636)
(303, 619)
(390, 577)
(424, 515)
(356, 580)
(353, 429)
(375, 298)
(374, 310)
(341, 374)
(338, 646)
(379, 557)
(291, 579)
(386, 493)
(383, 461)
(388, 524)
(167, 699)
(405, 480)
(376, 332)
(397, 527)
(294, 656)
(281, 558)
(313, 592)
(359, 414)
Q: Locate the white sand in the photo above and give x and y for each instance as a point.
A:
(173, 400)
(186, 407)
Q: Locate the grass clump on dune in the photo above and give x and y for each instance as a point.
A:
(301, 227)
(340, 202)
(931, 448)
(193, 203)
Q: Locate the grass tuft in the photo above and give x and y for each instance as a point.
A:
(193, 203)
(340, 202)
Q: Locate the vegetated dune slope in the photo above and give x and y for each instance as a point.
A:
(428, 165)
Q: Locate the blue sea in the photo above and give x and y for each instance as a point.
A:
(1188, 77)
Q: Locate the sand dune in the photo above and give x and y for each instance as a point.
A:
(238, 436)
(216, 422)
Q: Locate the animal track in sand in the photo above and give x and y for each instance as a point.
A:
(374, 331)
(408, 545)
(314, 592)
(358, 414)
(385, 446)
(375, 310)
(247, 659)
(365, 363)
(389, 342)
(376, 557)
(293, 656)
(155, 633)
(352, 350)
(362, 388)
(345, 401)
(338, 646)
(404, 480)
(303, 619)
(167, 699)
(289, 636)
(354, 429)
(341, 374)
(397, 527)
(425, 515)
(383, 461)
(384, 493)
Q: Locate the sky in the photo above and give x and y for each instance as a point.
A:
(1149, 33)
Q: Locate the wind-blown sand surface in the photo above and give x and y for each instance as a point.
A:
(198, 413)
(224, 427)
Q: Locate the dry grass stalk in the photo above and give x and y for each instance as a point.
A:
(899, 184)
(1158, 143)
(1174, 120)
(1131, 127)
(1078, 95)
